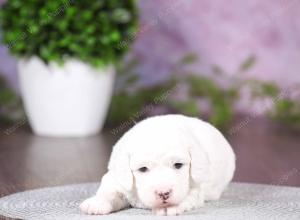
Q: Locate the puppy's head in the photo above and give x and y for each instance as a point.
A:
(158, 163)
(161, 176)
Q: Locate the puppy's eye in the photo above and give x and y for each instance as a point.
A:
(177, 165)
(143, 169)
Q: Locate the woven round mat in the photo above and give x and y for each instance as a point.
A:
(240, 201)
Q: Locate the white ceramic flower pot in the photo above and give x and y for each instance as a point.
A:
(65, 101)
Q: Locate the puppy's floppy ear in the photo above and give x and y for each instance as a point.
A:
(119, 165)
(199, 170)
(200, 163)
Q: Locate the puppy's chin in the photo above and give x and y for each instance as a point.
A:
(160, 204)
(164, 205)
(153, 203)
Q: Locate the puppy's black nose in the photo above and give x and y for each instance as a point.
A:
(164, 195)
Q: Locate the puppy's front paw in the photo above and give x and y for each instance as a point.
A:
(160, 211)
(96, 206)
(173, 210)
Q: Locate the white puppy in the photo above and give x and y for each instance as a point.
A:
(170, 164)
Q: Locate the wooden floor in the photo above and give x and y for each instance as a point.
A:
(265, 154)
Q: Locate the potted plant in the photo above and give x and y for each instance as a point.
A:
(67, 52)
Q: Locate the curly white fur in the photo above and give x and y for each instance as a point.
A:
(170, 164)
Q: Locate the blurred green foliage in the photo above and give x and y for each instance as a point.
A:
(287, 112)
(203, 96)
(247, 64)
(96, 32)
(10, 104)
(127, 102)
(221, 100)
(285, 109)
(263, 89)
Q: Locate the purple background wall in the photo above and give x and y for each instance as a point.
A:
(220, 32)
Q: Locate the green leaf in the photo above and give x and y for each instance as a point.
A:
(263, 89)
(45, 53)
(10, 104)
(187, 107)
(270, 89)
(217, 70)
(121, 15)
(115, 36)
(128, 67)
(33, 29)
(132, 80)
(87, 15)
(222, 113)
(248, 63)
(71, 12)
(189, 59)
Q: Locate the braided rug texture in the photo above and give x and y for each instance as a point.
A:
(240, 201)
